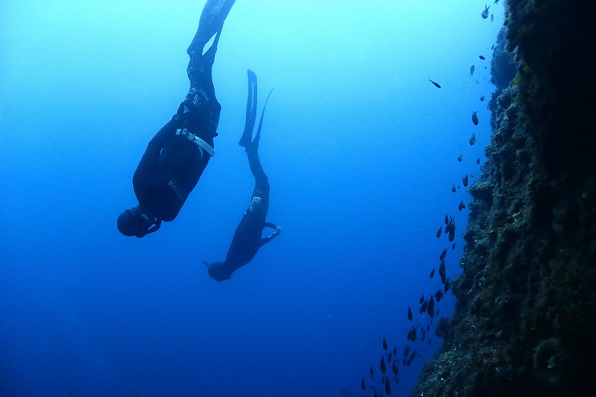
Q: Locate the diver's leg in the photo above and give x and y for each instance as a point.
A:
(252, 151)
(200, 109)
(212, 19)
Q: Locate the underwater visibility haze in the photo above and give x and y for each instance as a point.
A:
(362, 152)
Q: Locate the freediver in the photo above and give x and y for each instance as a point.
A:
(248, 235)
(178, 154)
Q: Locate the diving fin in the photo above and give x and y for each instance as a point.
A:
(212, 19)
(251, 110)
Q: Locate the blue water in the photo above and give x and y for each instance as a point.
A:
(361, 152)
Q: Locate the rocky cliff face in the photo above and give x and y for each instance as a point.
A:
(524, 324)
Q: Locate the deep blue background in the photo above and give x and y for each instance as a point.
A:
(361, 151)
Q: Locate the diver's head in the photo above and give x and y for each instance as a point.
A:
(137, 222)
(216, 271)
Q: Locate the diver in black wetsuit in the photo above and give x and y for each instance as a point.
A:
(178, 154)
(248, 236)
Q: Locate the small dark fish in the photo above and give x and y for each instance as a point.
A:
(432, 273)
(384, 344)
(387, 387)
(472, 70)
(442, 269)
(372, 372)
(482, 98)
(422, 299)
(464, 180)
(443, 254)
(485, 12)
(423, 308)
(388, 357)
(412, 334)
(453, 188)
(409, 314)
(460, 158)
(430, 308)
(453, 246)
(394, 368)
(472, 139)
(435, 83)
(481, 57)
(363, 384)
(383, 365)
(395, 351)
(446, 219)
(406, 351)
(438, 295)
(475, 118)
(496, 1)
(439, 232)
(450, 228)
(492, 17)
(411, 358)
(428, 327)
(478, 161)
(461, 206)
(447, 284)
(492, 47)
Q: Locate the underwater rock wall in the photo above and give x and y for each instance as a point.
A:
(524, 323)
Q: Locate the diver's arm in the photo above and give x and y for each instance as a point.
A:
(273, 235)
(155, 227)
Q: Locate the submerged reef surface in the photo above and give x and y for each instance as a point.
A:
(524, 323)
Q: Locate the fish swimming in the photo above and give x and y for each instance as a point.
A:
(439, 232)
(481, 57)
(435, 83)
(453, 188)
(363, 384)
(478, 161)
(432, 273)
(460, 158)
(409, 314)
(461, 206)
(446, 219)
(464, 180)
(383, 365)
(472, 68)
(472, 139)
(412, 334)
(384, 344)
(475, 118)
(482, 98)
(443, 254)
(430, 308)
(485, 12)
(442, 270)
(394, 368)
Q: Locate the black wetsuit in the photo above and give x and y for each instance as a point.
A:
(248, 235)
(173, 163)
